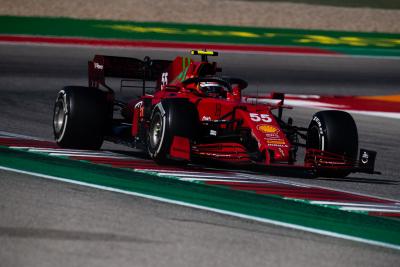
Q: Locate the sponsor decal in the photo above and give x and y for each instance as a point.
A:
(268, 129)
(139, 104)
(364, 157)
(206, 118)
(278, 145)
(276, 142)
(98, 66)
(272, 136)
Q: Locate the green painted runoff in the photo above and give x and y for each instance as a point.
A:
(354, 43)
(357, 225)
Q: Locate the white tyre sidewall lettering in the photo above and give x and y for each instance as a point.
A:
(321, 132)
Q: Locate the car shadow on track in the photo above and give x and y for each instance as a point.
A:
(202, 164)
(361, 180)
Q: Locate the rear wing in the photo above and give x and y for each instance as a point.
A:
(125, 68)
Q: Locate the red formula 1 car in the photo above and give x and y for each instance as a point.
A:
(193, 113)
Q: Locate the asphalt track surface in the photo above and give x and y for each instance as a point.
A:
(49, 223)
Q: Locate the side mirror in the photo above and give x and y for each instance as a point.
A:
(279, 96)
(236, 94)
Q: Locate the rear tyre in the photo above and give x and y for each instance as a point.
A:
(80, 117)
(336, 132)
(171, 117)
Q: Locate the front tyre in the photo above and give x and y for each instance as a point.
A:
(80, 117)
(333, 131)
(157, 143)
(171, 117)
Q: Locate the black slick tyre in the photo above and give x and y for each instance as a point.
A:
(336, 132)
(80, 117)
(169, 118)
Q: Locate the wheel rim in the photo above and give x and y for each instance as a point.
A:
(59, 117)
(156, 130)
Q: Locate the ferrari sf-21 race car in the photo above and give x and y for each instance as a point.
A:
(186, 111)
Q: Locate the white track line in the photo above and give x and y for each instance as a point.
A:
(364, 204)
(196, 176)
(13, 135)
(370, 209)
(87, 155)
(72, 151)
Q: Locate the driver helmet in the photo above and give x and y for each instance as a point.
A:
(213, 89)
